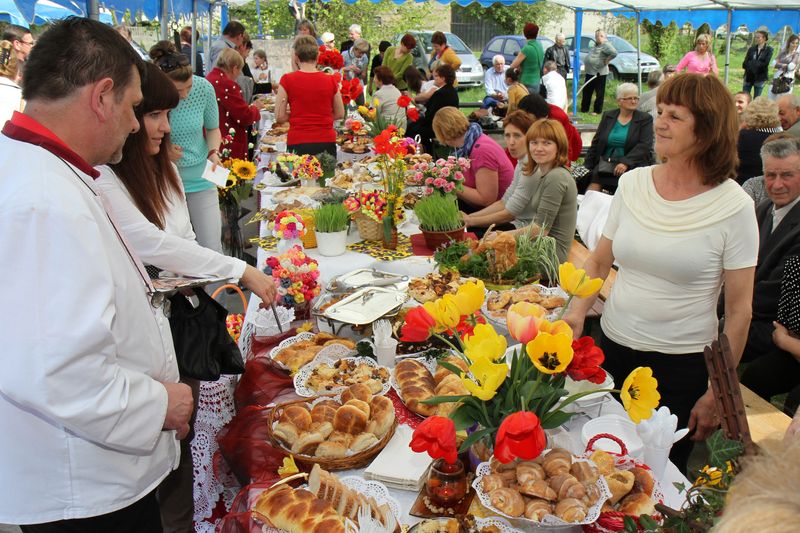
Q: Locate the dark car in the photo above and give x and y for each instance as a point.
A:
(470, 74)
(508, 46)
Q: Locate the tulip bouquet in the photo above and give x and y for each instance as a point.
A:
(375, 121)
(515, 397)
(330, 61)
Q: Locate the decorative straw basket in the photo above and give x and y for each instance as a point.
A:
(368, 229)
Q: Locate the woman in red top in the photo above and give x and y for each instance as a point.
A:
(233, 110)
(310, 101)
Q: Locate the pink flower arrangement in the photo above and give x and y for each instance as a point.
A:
(296, 277)
(443, 175)
(287, 225)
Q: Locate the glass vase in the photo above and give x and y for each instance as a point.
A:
(446, 484)
(390, 244)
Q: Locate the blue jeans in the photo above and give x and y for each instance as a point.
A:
(758, 87)
(534, 89)
(489, 101)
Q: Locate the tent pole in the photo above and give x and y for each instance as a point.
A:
(223, 16)
(639, 48)
(258, 19)
(576, 60)
(94, 10)
(164, 13)
(728, 45)
(194, 35)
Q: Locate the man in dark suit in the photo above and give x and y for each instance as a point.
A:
(771, 370)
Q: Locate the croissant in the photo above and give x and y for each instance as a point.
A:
(416, 385)
(507, 471)
(350, 419)
(567, 486)
(571, 510)
(298, 511)
(557, 461)
(381, 416)
(620, 483)
(508, 501)
(584, 472)
(643, 481)
(537, 509)
(540, 489)
(492, 482)
(442, 372)
(528, 472)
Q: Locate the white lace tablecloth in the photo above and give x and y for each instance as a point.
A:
(215, 408)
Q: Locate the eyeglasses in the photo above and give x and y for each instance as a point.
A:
(172, 62)
(630, 99)
(30, 43)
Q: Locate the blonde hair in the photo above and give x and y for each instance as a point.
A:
(703, 37)
(761, 113)
(550, 130)
(449, 123)
(9, 67)
(229, 59)
(765, 492)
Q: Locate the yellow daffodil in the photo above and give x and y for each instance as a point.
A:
(576, 282)
(488, 378)
(523, 321)
(444, 311)
(484, 343)
(639, 394)
(288, 468)
(469, 297)
(551, 354)
(554, 328)
(711, 476)
(306, 326)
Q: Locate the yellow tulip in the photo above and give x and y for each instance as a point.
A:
(484, 343)
(639, 394)
(554, 328)
(576, 282)
(376, 103)
(363, 110)
(551, 354)
(488, 378)
(288, 468)
(444, 311)
(469, 297)
(523, 320)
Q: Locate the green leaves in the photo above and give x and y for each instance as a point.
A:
(722, 450)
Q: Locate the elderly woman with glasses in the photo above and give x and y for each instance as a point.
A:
(623, 141)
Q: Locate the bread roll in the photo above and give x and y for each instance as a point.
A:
(381, 416)
(322, 428)
(322, 412)
(637, 504)
(416, 385)
(306, 444)
(571, 510)
(350, 419)
(536, 509)
(297, 415)
(605, 462)
(508, 501)
(450, 385)
(286, 433)
(620, 483)
(331, 450)
(362, 405)
(359, 391)
(643, 481)
(363, 441)
(298, 511)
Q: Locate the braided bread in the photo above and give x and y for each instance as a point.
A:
(416, 385)
(298, 511)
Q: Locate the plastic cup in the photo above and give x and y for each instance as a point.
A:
(657, 458)
(386, 352)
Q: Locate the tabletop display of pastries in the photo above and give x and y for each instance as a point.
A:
(327, 377)
(333, 429)
(356, 146)
(461, 524)
(435, 285)
(278, 129)
(321, 507)
(498, 303)
(632, 490)
(303, 352)
(418, 384)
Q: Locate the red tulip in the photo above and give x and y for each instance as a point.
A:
(520, 436)
(413, 114)
(437, 436)
(404, 100)
(586, 361)
(418, 327)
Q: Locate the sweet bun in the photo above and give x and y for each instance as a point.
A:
(322, 428)
(322, 413)
(331, 450)
(536, 509)
(350, 419)
(507, 501)
(492, 482)
(362, 442)
(359, 391)
(285, 432)
(381, 416)
(306, 444)
(571, 510)
(361, 404)
(344, 342)
(637, 504)
(297, 415)
(620, 483)
(539, 489)
(341, 437)
(442, 372)
(604, 461)
(643, 481)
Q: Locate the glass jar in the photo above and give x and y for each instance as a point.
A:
(447, 483)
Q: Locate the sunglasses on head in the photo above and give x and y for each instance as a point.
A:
(172, 62)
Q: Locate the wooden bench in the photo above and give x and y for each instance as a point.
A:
(766, 421)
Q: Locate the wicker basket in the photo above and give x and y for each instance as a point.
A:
(341, 463)
(309, 240)
(368, 229)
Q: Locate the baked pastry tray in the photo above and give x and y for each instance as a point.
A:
(365, 306)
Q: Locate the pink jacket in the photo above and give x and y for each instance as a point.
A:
(698, 64)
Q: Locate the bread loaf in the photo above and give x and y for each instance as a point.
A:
(298, 511)
(416, 385)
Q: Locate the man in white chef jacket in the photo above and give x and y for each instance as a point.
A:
(90, 407)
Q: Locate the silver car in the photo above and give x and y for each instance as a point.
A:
(624, 65)
(470, 74)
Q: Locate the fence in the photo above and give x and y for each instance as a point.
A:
(476, 33)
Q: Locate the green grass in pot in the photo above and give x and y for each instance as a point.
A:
(330, 218)
(438, 212)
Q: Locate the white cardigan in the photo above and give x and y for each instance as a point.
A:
(81, 403)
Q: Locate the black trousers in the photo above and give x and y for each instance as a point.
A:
(596, 86)
(771, 371)
(312, 148)
(140, 517)
(682, 380)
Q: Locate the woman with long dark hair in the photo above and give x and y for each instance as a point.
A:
(149, 206)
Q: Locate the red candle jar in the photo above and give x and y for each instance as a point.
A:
(447, 483)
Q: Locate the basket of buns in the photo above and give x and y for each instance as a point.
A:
(337, 434)
(326, 504)
(555, 489)
(420, 379)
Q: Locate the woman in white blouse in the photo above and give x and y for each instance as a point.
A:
(147, 201)
(677, 231)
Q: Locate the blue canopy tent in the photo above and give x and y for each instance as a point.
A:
(9, 12)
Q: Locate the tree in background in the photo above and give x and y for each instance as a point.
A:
(512, 18)
(662, 38)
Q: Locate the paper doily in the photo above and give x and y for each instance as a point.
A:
(482, 523)
(498, 318)
(302, 375)
(332, 352)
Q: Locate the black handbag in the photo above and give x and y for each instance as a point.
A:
(203, 346)
(781, 85)
(789, 301)
(605, 168)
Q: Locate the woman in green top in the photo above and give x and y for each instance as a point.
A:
(530, 59)
(197, 112)
(623, 141)
(398, 59)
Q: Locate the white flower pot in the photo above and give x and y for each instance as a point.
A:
(331, 244)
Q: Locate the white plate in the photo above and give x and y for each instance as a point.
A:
(302, 375)
(499, 317)
(365, 306)
(330, 352)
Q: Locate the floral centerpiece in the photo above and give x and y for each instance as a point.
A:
(329, 61)
(351, 90)
(443, 175)
(515, 397)
(374, 121)
(289, 228)
(237, 188)
(296, 277)
(391, 148)
(289, 167)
